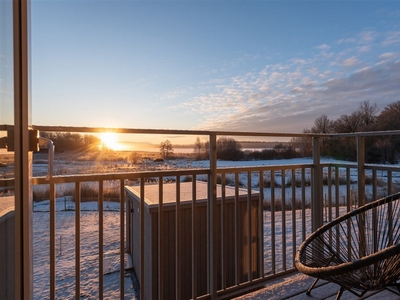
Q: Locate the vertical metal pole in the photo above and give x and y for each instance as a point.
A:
(122, 240)
(178, 247)
(249, 235)
(141, 239)
(212, 218)
(361, 170)
(283, 211)
(260, 253)
(77, 240)
(223, 235)
(317, 210)
(194, 237)
(52, 241)
(23, 158)
(160, 238)
(101, 239)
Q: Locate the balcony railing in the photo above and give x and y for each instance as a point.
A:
(244, 233)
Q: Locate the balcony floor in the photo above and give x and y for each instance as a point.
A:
(294, 286)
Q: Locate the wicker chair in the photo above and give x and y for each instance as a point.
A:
(360, 251)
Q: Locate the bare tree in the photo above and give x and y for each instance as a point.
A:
(367, 114)
(166, 149)
(322, 125)
(198, 147)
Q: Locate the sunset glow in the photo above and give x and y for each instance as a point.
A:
(110, 141)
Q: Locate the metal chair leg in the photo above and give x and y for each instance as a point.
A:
(311, 287)
(339, 293)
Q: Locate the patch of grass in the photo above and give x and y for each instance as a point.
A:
(298, 182)
(342, 180)
(89, 192)
(187, 178)
(288, 205)
(267, 183)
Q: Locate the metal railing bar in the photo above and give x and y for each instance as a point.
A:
(390, 181)
(294, 231)
(77, 240)
(101, 240)
(212, 217)
(283, 196)
(147, 174)
(178, 251)
(117, 176)
(223, 235)
(374, 185)
(329, 217)
(52, 241)
(261, 224)
(141, 238)
(168, 131)
(348, 189)
(337, 205)
(303, 204)
(194, 237)
(236, 219)
(160, 238)
(273, 240)
(122, 239)
(261, 168)
(249, 232)
(337, 194)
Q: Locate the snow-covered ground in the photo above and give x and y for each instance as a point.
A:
(65, 252)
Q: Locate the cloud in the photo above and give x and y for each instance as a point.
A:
(362, 49)
(392, 38)
(322, 47)
(292, 110)
(347, 40)
(350, 62)
(367, 36)
(288, 96)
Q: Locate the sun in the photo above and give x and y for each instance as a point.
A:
(110, 141)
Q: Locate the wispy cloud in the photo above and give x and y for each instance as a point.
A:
(392, 38)
(350, 62)
(288, 96)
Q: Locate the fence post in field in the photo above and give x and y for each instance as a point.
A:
(316, 203)
(212, 218)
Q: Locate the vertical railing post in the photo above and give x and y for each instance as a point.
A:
(212, 218)
(361, 170)
(316, 205)
(23, 218)
(361, 191)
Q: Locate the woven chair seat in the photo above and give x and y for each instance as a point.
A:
(360, 251)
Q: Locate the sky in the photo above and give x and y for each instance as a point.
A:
(269, 66)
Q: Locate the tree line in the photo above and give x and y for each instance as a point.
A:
(367, 118)
(379, 149)
(230, 149)
(66, 141)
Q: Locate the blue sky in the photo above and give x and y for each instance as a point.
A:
(272, 66)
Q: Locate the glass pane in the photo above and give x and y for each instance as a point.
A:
(6, 96)
(6, 158)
